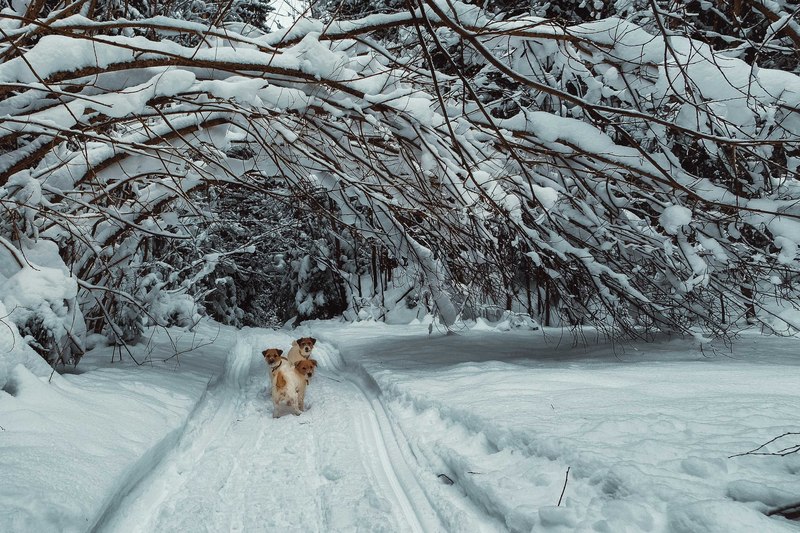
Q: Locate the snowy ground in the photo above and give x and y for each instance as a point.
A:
(645, 430)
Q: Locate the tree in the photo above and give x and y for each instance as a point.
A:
(645, 179)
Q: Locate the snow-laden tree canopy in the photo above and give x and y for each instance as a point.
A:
(638, 177)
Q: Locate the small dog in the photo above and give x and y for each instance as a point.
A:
(301, 349)
(273, 358)
(309, 372)
(289, 382)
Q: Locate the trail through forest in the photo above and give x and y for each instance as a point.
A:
(338, 467)
(408, 430)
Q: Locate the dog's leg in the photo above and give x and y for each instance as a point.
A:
(291, 405)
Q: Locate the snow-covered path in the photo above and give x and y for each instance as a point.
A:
(338, 467)
(647, 434)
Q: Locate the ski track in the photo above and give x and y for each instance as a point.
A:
(341, 466)
(377, 433)
(461, 450)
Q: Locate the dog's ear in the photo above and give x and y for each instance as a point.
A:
(313, 340)
(314, 363)
(280, 352)
(264, 353)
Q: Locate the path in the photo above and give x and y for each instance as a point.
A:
(338, 467)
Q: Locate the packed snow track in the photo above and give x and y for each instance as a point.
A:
(337, 467)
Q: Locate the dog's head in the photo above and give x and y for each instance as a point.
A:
(306, 344)
(306, 368)
(272, 356)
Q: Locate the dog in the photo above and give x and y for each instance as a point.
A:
(289, 382)
(301, 349)
(273, 357)
(309, 371)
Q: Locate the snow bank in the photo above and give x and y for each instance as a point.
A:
(71, 445)
(39, 297)
(646, 430)
(14, 351)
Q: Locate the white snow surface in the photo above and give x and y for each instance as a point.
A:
(394, 414)
(674, 217)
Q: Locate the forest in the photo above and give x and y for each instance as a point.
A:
(631, 165)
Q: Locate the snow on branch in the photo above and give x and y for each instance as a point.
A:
(617, 174)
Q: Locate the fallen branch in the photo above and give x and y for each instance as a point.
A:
(780, 453)
(564, 488)
(791, 511)
(444, 478)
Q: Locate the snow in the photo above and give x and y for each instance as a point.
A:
(187, 441)
(32, 289)
(547, 196)
(674, 217)
(15, 352)
(637, 437)
(551, 128)
(38, 291)
(71, 444)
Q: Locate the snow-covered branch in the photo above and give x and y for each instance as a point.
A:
(614, 173)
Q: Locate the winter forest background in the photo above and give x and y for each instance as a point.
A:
(631, 165)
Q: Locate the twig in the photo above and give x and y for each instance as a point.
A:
(16, 254)
(793, 507)
(192, 345)
(564, 488)
(780, 453)
(114, 329)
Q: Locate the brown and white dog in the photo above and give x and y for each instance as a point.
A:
(301, 349)
(273, 357)
(288, 382)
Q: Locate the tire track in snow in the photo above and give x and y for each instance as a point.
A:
(481, 457)
(475, 463)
